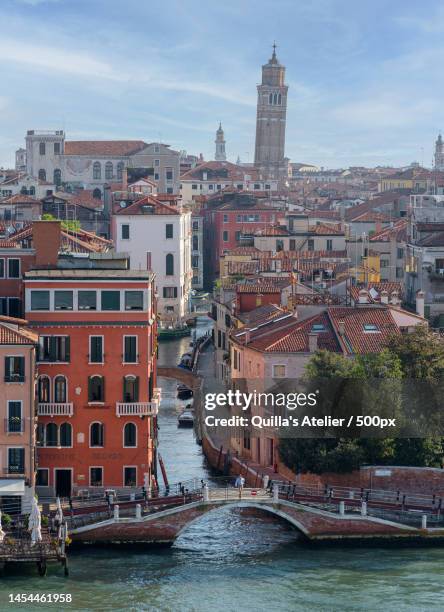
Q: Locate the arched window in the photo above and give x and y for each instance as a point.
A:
(42, 175)
(96, 434)
(97, 194)
(40, 434)
(60, 389)
(44, 389)
(57, 177)
(131, 388)
(65, 434)
(130, 435)
(169, 264)
(120, 167)
(109, 170)
(279, 99)
(32, 190)
(270, 99)
(96, 389)
(275, 98)
(97, 170)
(51, 434)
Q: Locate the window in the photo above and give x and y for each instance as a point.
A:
(156, 176)
(130, 349)
(120, 168)
(65, 434)
(42, 148)
(257, 186)
(15, 422)
(225, 218)
(279, 371)
(63, 300)
(279, 245)
(57, 148)
(2, 268)
(195, 226)
(14, 307)
(108, 170)
(96, 389)
(96, 349)
(329, 245)
(318, 327)
(39, 300)
(130, 388)
(97, 170)
(157, 163)
(14, 368)
(51, 435)
(60, 394)
(57, 177)
(399, 272)
(195, 243)
(42, 175)
(13, 268)
(125, 228)
(16, 460)
(267, 187)
(385, 263)
(96, 434)
(400, 253)
(170, 292)
(370, 327)
(169, 174)
(96, 477)
(110, 300)
(169, 230)
(310, 245)
(44, 389)
(42, 477)
(54, 348)
(130, 476)
(195, 261)
(292, 244)
(194, 186)
(225, 236)
(133, 300)
(87, 300)
(169, 264)
(97, 194)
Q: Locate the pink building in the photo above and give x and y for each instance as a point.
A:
(17, 410)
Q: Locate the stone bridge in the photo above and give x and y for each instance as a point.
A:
(314, 524)
(186, 377)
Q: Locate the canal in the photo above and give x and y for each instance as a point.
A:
(227, 561)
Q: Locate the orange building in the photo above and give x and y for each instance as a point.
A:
(97, 400)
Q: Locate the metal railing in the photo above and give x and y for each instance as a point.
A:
(14, 425)
(137, 408)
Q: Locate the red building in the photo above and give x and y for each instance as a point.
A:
(97, 400)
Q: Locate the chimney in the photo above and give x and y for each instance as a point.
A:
(148, 260)
(363, 296)
(395, 298)
(384, 297)
(46, 238)
(312, 342)
(420, 303)
(341, 328)
(247, 336)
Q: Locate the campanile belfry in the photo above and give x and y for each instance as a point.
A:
(269, 153)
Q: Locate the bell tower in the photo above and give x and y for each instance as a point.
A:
(269, 153)
(220, 145)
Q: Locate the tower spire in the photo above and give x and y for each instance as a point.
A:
(220, 144)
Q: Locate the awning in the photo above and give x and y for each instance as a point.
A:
(12, 486)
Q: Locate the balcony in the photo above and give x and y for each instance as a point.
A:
(14, 425)
(14, 378)
(14, 470)
(56, 409)
(137, 408)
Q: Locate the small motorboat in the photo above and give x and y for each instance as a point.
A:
(184, 392)
(186, 361)
(185, 419)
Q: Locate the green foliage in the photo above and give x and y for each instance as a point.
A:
(68, 226)
(400, 381)
(6, 520)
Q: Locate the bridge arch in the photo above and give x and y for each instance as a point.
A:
(268, 508)
(186, 377)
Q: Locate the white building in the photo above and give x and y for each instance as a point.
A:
(157, 236)
(93, 163)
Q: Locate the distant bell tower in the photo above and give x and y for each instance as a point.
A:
(439, 153)
(269, 153)
(220, 145)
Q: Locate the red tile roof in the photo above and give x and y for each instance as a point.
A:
(99, 148)
(16, 334)
(356, 340)
(158, 207)
(19, 198)
(398, 232)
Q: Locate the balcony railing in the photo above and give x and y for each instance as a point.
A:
(14, 469)
(137, 408)
(53, 409)
(14, 425)
(14, 378)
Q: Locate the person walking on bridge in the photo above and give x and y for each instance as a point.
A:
(239, 484)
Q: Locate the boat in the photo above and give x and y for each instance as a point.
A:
(171, 332)
(184, 392)
(185, 419)
(186, 361)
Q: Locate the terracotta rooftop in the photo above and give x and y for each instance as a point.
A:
(99, 148)
(148, 205)
(12, 331)
(398, 232)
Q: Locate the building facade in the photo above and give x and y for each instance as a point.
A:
(96, 394)
(269, 154)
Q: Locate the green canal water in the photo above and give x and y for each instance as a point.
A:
(231, 562)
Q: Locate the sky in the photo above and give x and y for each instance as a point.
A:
(365, 83)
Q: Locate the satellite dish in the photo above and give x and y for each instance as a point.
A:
(122, 204)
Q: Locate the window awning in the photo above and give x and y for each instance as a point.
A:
(12, 486)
